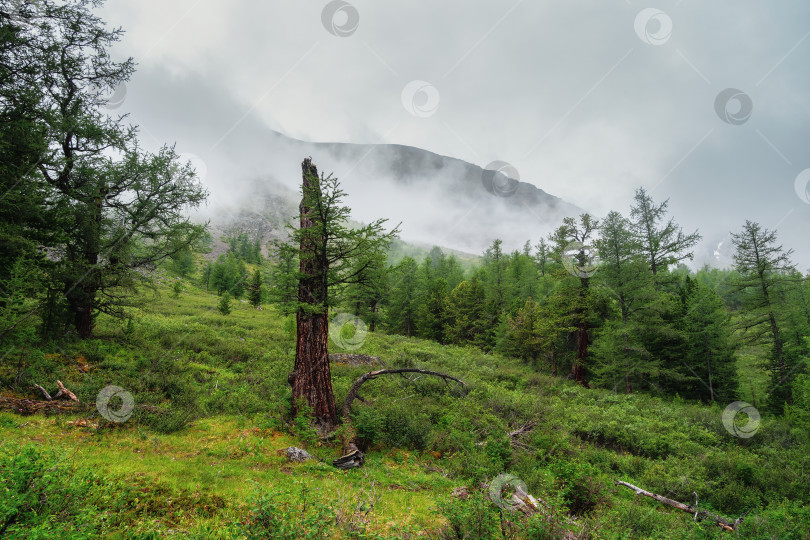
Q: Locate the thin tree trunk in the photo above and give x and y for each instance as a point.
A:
(578, 367)
(81, 293)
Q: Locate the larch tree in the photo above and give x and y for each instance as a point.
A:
(572, 245)
(765, 269)
(662, 241)
(619, 348)
(403, 301)
(120, 210)
(254, 289)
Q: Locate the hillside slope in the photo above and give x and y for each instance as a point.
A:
(200, 458)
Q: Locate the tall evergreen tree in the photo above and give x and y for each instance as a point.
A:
(371, 289)
(283, 283)
(662, 241)
(709, 355)
(255, 289)
(765, 268)
(579, 234)
(120, 209)
(403, 303)
(466, 318)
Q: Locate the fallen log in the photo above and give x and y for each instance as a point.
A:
(349, 448)
(32, 406)
(697, 512)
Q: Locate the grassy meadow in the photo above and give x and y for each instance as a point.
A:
(199, 458)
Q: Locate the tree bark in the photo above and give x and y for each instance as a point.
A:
(372, 324)
(311, 378)
(578, 367)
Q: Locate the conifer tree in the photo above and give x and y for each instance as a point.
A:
(255, 289)
(765, 269)
(662, 241)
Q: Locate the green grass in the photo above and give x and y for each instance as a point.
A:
(203, 462)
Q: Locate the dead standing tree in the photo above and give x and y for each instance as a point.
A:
(331, 254)
(311, 378)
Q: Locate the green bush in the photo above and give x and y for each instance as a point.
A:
(281, 516)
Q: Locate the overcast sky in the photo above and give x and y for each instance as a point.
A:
(588, 100)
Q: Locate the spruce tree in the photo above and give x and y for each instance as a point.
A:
(255, 289)
(224, 305)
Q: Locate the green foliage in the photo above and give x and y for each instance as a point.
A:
(110, 207)
(402, 304)
(766, 274)
(243, 248)
(224, 305)
(275, 515)
(473, 517)
(465, 315)
(255, 289)
(177, 290)
(228, 274)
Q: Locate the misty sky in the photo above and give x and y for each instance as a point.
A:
(588, 100)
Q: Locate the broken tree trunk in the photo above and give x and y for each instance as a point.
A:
(699, 514)
(311, 378)
(349, 448)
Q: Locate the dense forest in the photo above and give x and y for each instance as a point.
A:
(595, 355)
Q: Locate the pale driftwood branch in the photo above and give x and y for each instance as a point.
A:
(697, 512)
(349, 448)
(62, 393)
(44, 392)
(529, 505)
(65, 392)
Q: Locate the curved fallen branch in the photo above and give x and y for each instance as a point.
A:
(698, 513)
(350, 451)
